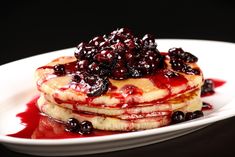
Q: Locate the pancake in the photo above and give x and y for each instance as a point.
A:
(129, 119)
(62, 90)
(120, 82)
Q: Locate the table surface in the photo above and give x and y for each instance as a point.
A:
(37, 27)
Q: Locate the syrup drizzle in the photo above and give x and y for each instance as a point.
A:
(217, 82)
(206, 106)
(38, 126)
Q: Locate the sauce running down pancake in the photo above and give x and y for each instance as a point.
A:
(120, 82)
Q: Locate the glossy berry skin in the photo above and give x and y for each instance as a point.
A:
(207, 87)
(149, 42)
(178, 65)
(96, 41)
(189, 58)
(175, 51)
(86, 128)
(76, 78)
(189, 116)
(72, 125)
(177, 117)
(119, 73)
(99, 85)
(121, 55)
(170, 74)
(190, 71)
(106, 57)
(130, 43)
(59, 69)
(198, 114)
(180, 54)
(82, 65)
(80, 51)
(94, 68)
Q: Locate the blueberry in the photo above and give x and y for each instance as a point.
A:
(90, 53)
(207, 87)
(105, 72)
(170, 74)
(59, 69)
(138, 43)
(80, 51)
(175, 51)
(189, 116)
(72, 125)
(149, 42)
(96, 41)
(76, 78)
(82, 65)
(115, 38)
(136, 73)
(104, 45)
(134, 70)
(151, 55)
(99, 85)
(129, 56)
(106, 57)
(86, 128)
(191, 71)
(189, 58)
(119, 73)
(180, 54)
(177, 117)
(90, 79)
(124, 31)
(130, 43)
(94, 68)
(197, 114)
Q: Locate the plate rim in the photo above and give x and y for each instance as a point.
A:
(128, 135)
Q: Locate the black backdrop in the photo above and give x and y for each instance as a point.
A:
(38, 27)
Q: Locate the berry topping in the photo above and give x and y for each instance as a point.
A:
(96, 41)
(149, 42)
(94, 68)
(119, 73)
(207, 87)
(86, 127)
(179, 59)
(82, 65)
(170, 74)
(178, 65)
(180, 54)
(59, 69)
(76, 78)
(181, 66)
(121, 55)
(106, 57)
(99, 85)
(80, 51)
(72, 125)
(177, 117)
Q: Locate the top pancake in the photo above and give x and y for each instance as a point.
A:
(156, 87)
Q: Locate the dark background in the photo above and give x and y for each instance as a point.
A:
(36, 27)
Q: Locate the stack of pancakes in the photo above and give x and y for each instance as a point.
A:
(130, 104)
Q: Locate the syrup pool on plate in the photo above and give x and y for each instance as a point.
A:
(38, 126)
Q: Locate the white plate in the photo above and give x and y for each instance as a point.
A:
(18, 87)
